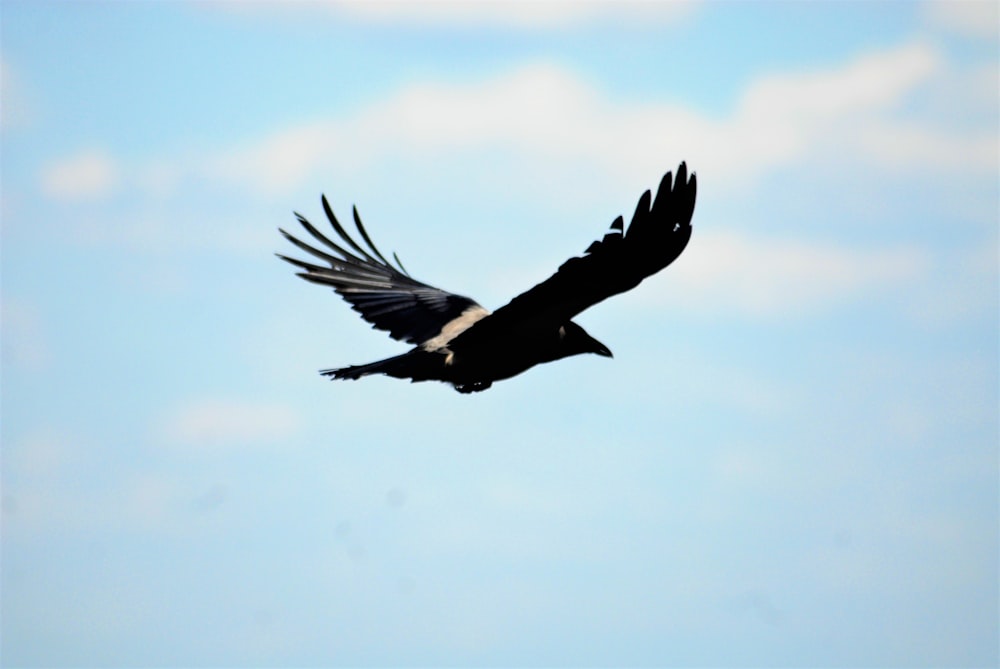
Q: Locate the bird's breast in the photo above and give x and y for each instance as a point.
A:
(501, 357)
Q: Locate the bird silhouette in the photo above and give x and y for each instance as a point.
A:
(455, 339)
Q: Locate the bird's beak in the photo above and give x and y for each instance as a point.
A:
(603, 350)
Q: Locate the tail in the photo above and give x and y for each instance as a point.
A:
(416, 365)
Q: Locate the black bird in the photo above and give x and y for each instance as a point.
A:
(458, 341)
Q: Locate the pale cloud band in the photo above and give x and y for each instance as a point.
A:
(513, 15)
(547, 113)
(969, 18)
(86, 175)
(229, 423)
(732, 272)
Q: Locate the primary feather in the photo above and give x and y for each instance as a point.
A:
(385, 296)
(655, 238)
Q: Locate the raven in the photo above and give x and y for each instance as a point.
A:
(458, 341)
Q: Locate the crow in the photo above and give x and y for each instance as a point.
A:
(459, 342)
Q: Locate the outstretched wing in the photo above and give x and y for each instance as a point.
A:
(655, 238)
(384, 295)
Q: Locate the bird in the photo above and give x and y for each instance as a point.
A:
(456, 340)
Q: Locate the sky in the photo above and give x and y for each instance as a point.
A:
(791, 461)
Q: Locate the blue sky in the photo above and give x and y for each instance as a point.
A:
(792, 459)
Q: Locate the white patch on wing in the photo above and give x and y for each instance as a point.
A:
(455, 327)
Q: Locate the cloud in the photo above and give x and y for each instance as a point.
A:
(548, 117)
(222, 422)
(546, 113)
(782, 117)
(519, 15)
(727, 272)
(903, 144)
(489, 14)
(87, 175)
(969, 18)
(869, 81)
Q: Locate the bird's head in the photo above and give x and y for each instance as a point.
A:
(576, 340)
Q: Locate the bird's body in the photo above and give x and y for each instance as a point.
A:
(458, 341)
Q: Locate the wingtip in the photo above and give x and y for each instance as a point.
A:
(327, 209)
(685, 177)
(290, 260)
(645, 203)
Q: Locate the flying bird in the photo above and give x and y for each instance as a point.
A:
(457, 341)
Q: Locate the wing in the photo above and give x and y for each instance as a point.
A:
(658, 233)
(385, 296)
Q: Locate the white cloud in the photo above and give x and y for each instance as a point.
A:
(727, 272)
(546, 115)
(89, 174)
(902, 144)
(282, 161)
(870, 81)
(491, 14)
(545, 112)
(229, 422)
(536, 14)
(782, 117)
(969, 18)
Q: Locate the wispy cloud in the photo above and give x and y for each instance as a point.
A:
(908, 145)
(546, 112)
(487, 14)
(969, 18)
(86, 175)
(549, 115)
(225, 422)
(522, 15)
(729, 272)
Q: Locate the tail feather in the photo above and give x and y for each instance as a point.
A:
(354, 371)
(416, 365)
